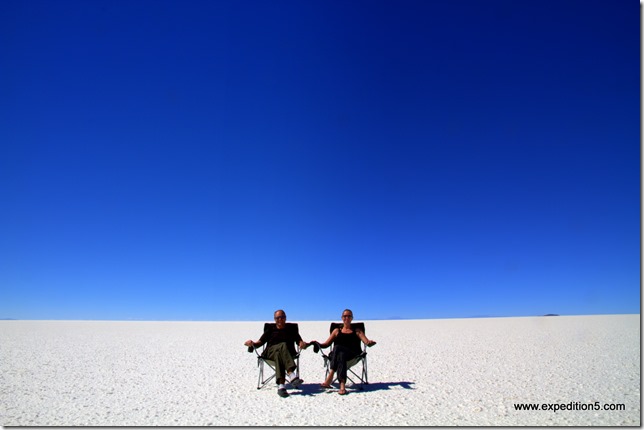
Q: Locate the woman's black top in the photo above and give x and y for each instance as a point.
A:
(350, 341)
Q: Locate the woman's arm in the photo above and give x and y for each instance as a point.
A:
(328, 342)
(364, 338)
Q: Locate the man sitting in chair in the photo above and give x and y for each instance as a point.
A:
(344, 338)
(280, 350)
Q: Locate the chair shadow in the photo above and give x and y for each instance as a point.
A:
(379, 386)
(313, 389)
(310, 389)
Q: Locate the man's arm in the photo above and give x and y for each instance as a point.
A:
(257, 344)
(299, 342)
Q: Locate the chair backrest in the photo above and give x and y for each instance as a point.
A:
(354, 326)
(292, 328)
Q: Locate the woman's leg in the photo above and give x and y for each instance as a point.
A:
(339, 359)
(329, 379)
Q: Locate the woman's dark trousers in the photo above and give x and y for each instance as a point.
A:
(339, 358)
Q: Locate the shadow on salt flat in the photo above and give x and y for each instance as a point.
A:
(378, 386)
(314, 389)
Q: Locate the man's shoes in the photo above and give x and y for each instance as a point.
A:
(294, 380)
(282, 392)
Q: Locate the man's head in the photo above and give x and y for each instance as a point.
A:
(280, 318)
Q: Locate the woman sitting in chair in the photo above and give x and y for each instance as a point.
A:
(346, 347)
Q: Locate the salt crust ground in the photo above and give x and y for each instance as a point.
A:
(466, 372)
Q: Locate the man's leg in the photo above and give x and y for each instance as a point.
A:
(275, 353)
(283, 361)
(288, 364)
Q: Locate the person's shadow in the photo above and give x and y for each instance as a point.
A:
(312, 389)
(378, 386)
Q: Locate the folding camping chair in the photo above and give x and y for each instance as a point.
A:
(261, 361)
(359, 359)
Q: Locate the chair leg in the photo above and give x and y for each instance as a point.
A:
(362, 377)
(270, 378)
(261, 382)
(261, 375)
(365, 375)
(353, 383)
(326, 368)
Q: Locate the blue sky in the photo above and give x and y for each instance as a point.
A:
(217, 160)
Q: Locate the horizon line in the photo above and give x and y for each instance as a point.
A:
(314, 320)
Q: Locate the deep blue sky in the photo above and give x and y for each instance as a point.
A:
(216, 160)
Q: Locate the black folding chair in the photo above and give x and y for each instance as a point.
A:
(360, 359)
(261, 361)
